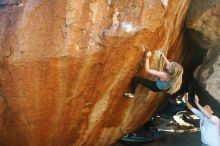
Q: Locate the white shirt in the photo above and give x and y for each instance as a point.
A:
(210, 128)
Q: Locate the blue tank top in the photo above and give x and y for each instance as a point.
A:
(163, 85)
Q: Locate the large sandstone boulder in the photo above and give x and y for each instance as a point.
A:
(64, 65)
(203, 22)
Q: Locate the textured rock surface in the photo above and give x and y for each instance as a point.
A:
(64, 65)
(203, 21)
(208, 74)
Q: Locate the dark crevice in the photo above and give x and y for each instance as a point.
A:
(193, 58)
(197, 56)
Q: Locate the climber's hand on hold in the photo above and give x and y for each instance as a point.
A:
(144, 49)
(164, 57)
(161, 53)
(148, 54)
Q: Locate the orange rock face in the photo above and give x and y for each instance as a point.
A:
(65, 64)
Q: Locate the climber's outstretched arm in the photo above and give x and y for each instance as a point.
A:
(156, 73)
(164, 57)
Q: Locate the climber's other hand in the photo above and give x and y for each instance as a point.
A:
(161, 53)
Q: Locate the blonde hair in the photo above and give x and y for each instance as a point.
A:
(176, 77)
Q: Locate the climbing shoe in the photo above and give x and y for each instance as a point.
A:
(130, 95)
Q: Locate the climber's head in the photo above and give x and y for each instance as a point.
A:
(208, 109)
(174, 69)
(168, 67)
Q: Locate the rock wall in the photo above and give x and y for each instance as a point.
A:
(203, 22)
(64, 65)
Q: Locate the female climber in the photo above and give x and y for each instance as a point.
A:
(169, 80)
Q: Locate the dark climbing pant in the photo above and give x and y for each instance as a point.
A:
(145, 82)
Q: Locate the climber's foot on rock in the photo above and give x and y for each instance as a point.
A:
(130, 95)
